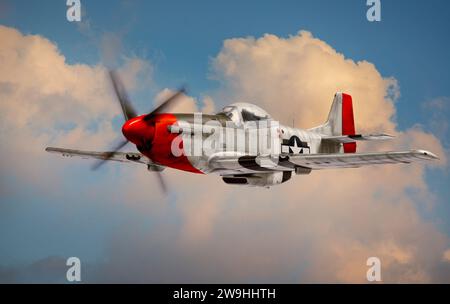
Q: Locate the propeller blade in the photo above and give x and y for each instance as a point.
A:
(162, 182)
(128, 113)
(122, 96)
(166, 104)
(108, 155)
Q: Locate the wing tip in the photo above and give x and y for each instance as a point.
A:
(426, 154)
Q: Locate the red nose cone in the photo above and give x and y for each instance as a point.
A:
(138, 131)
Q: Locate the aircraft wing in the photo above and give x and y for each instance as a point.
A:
(355, 160)
(116, 156)
(229, 164)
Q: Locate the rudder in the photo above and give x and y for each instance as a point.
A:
(340, 120)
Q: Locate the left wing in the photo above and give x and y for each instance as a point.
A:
(116, 156)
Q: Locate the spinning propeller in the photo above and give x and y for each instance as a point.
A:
(130, 113)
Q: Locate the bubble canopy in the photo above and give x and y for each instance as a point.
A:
(243, 112)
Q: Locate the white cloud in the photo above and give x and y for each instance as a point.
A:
(46, 101)
(296, 77)
(317, 228)
(185, 103)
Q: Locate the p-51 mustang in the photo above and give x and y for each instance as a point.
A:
(160, 136)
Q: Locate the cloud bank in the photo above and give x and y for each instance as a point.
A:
(317, 228)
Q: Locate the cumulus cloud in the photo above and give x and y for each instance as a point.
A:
(317, 228)
(185, 103)
(298, 76)
(438, 111)
(45, 101)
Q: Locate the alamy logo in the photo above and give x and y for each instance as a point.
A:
(374, 11)
(205, 139)
(74, 10)
(73, 274)
(374, 272)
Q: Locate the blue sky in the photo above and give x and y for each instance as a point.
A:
(410, 43)
(180, 38)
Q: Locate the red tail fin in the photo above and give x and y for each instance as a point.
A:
(348, 122)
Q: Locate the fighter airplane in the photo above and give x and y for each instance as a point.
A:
(292, 150)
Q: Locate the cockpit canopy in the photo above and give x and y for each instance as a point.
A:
(244, 112)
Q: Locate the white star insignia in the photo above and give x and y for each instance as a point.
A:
(295, 149)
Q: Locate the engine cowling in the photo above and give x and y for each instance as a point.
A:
(259, 180)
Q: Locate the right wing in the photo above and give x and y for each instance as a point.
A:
(116, 156)
(235, 163)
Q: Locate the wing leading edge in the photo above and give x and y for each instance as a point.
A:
(354, 160)
(116, 156)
